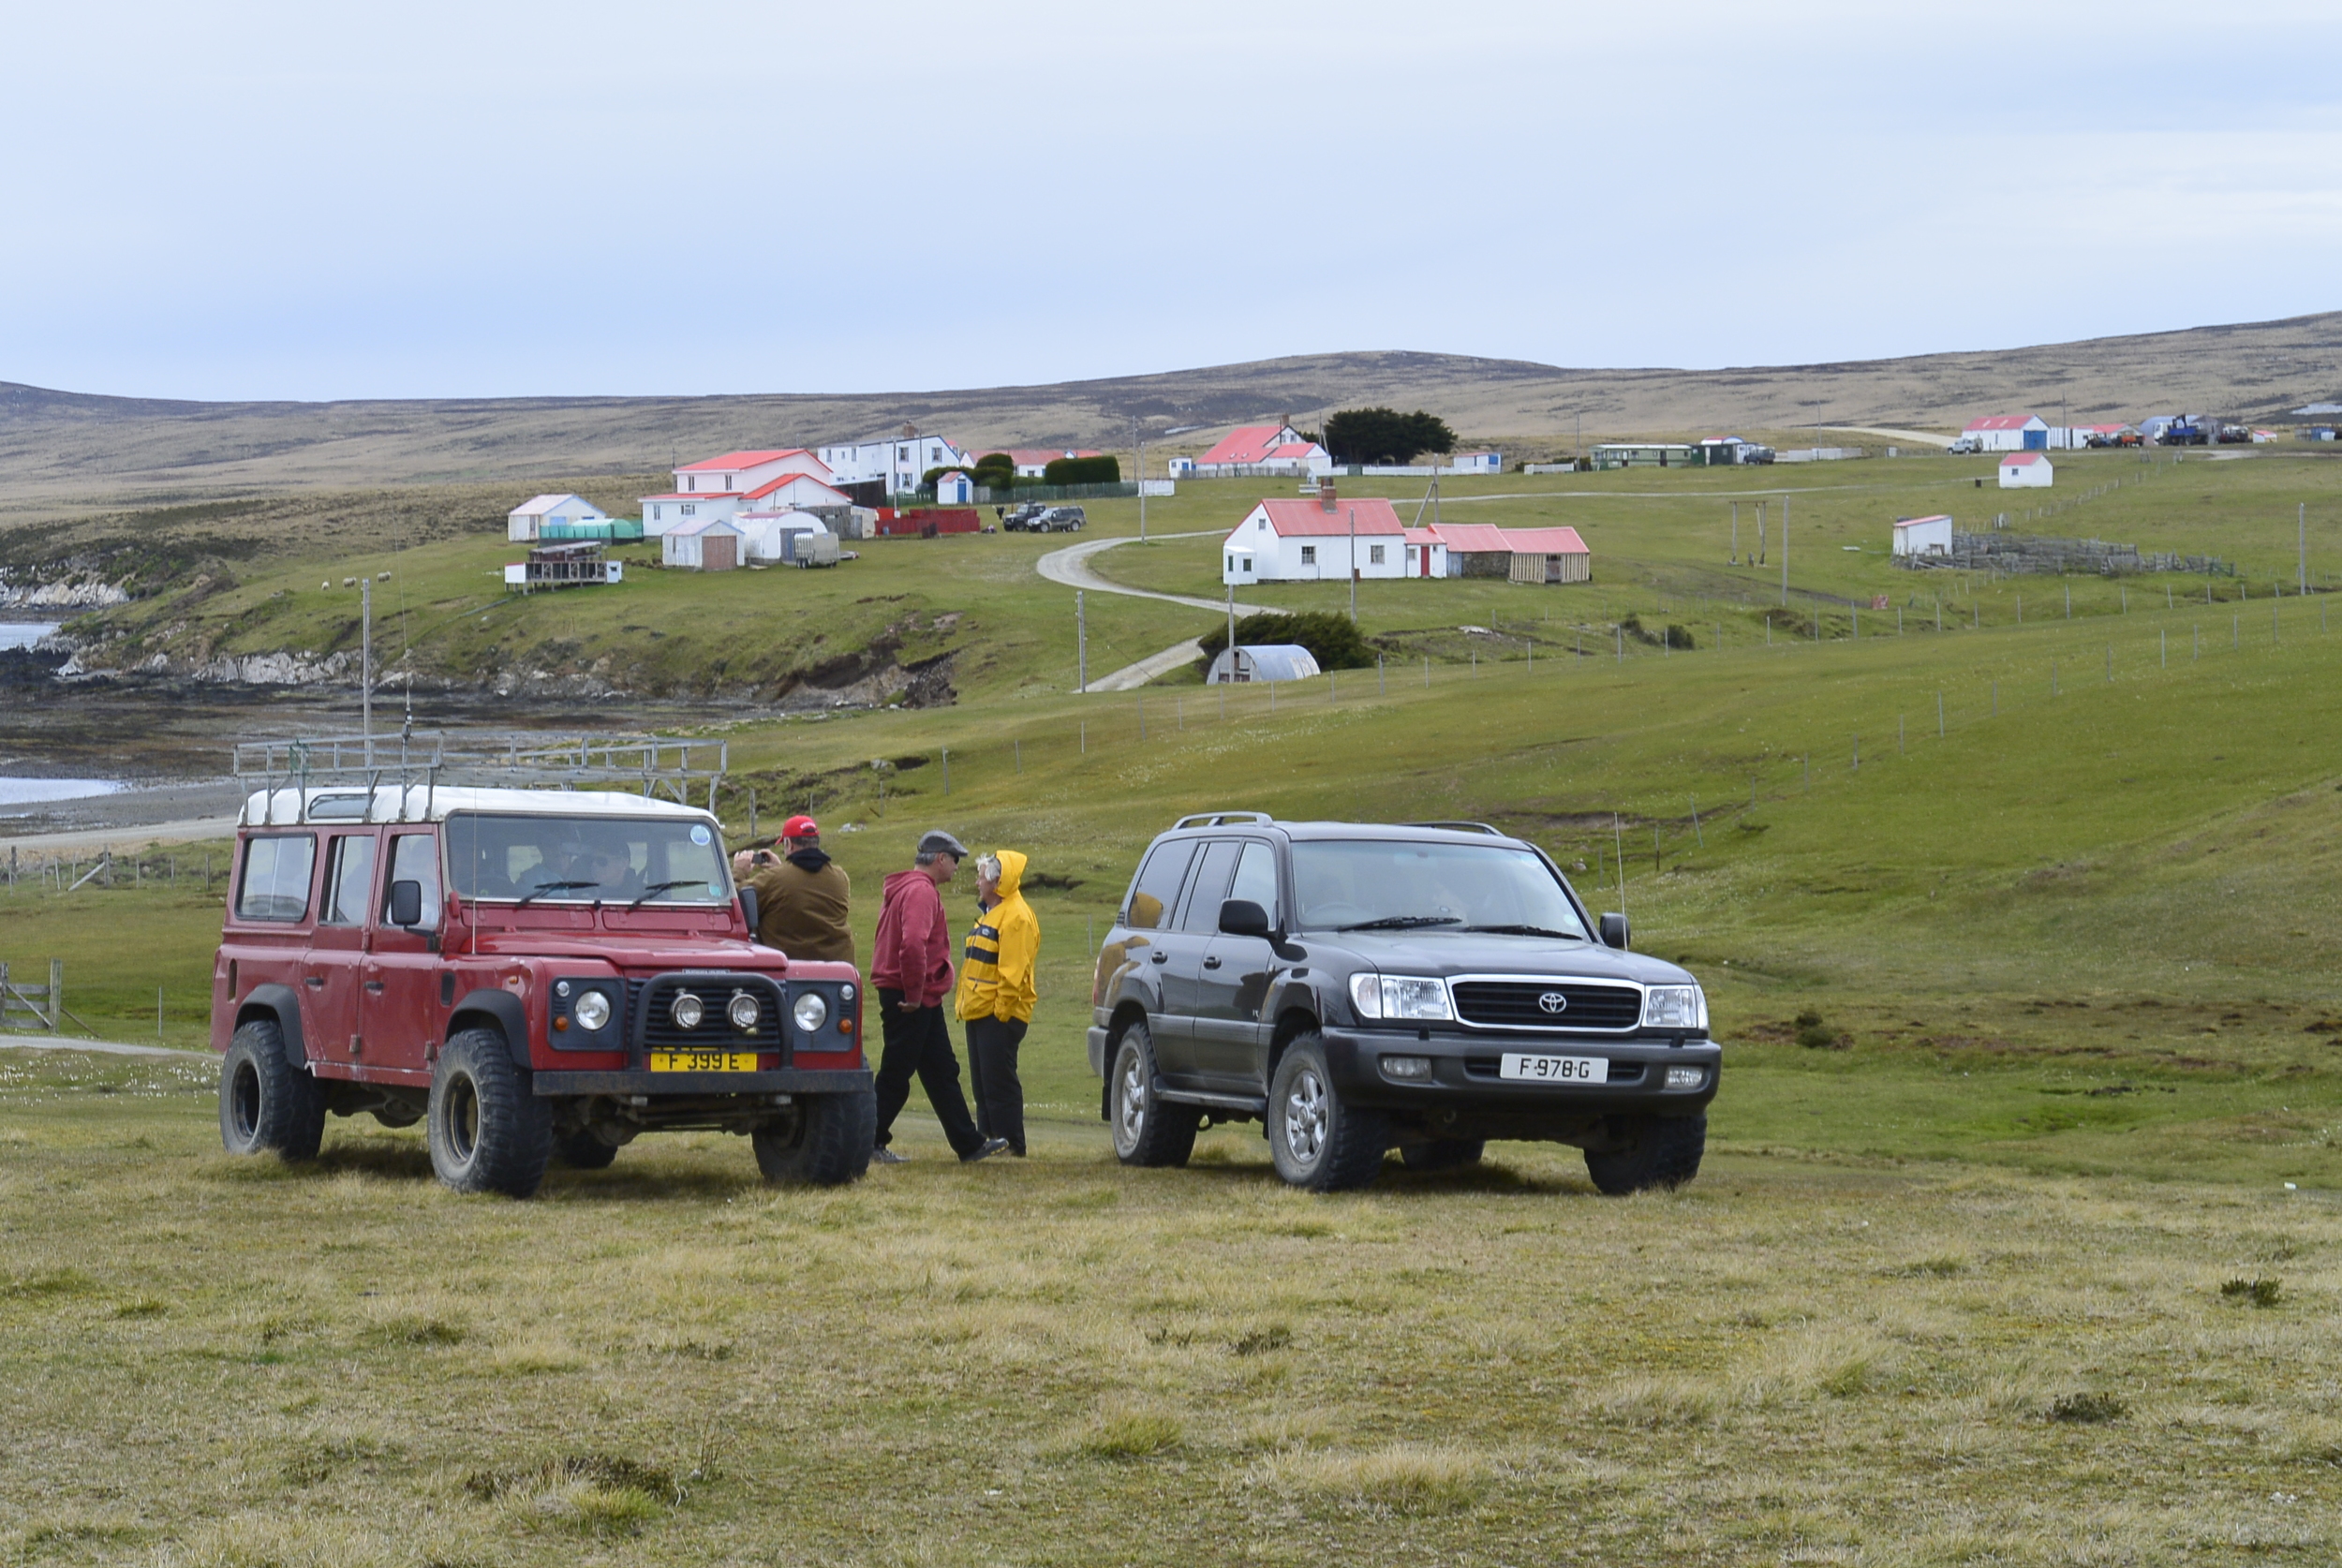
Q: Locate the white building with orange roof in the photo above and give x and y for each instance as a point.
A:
(1308, 540)
(1258, 449)
(738, 481)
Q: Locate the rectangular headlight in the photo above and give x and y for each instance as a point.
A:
(1414, 998)
(1674, 1007)
(1686, 1077)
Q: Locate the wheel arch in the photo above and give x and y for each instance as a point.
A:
(280, 1006)
(1129, 1010)
(1292, 1023)
(492, 1007)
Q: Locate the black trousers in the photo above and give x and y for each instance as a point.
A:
(919, 1043)
(992, 1065)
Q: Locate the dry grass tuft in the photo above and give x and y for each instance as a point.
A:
(1133, 1432)
(594, 1494)
(1405, 1478)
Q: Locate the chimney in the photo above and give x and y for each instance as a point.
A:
(1325, 493)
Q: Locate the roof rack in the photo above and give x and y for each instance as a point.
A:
(1222, 819)
(1463, 827)
(419, 762)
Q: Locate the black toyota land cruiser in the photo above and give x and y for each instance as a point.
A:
(1356, 986)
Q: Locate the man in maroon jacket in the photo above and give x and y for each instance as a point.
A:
(911, 969)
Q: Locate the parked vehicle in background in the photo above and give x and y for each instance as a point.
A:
(1018, 518)
(1359, 986)
(532, 974)
(1060, 520)
(1963, 446)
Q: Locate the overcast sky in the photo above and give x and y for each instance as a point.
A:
(242, 200)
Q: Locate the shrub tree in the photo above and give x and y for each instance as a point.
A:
(1333, 640)
(1083, 470)
(1386, 436)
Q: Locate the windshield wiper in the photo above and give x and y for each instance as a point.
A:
(1527, 931)
(1399, 922)
(543, 888)
(656, 888)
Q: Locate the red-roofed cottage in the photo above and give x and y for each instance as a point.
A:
(1257, 448)
(1549, 555)
(740, 481)
(1312, 539)
(2026, 470)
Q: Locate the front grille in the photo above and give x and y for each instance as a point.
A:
(1515, 1004)
(1621, 1071)
(649, 999)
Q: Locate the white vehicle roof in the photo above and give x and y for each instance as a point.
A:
(422, 802)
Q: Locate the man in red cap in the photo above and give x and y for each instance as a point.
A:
(801, 897)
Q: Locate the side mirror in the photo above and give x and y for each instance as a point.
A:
(1615, 931)
(748, 911)
(406, 904)
(1241, 917)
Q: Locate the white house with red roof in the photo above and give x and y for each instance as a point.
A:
(2009, 432)
(902, 461)
(2025, 470)
(741, 481)
(1311, 540)
(1259, 448)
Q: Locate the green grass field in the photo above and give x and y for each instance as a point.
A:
(1951, 1289)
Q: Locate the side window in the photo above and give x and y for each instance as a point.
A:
(276, 872)
(415, 858)
(1256, 878)
(352, 881)
(1210, 886)
(1157, 890)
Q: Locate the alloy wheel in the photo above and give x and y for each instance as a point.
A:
(1305, 1117)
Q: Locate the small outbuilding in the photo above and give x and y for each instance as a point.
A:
(530, 520)
(955, 489)
(1924, 536)
(2025, 470)
(703, 544)
(1269, 661)
(1427, 554)
(2009, 432)
(1549, 555)
(1476, 549)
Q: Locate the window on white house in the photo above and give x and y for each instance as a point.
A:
(1308, 554)
(687, 509)
(690, 482)
(1374, 554)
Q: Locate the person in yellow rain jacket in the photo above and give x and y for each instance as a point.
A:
(996, 994)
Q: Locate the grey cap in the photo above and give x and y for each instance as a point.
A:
(937, 842)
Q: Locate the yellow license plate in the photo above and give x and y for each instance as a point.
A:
(703, 1061)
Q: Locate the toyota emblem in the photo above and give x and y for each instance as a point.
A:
(1553, 1001)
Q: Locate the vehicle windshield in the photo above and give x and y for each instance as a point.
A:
(585, 860)
(1394, 885)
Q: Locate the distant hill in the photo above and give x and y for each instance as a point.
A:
(60, 449)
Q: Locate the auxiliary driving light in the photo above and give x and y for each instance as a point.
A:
(686, 1010)
(592, 1011)
(811, 1011)
(1686, 1077)
(1412, 1068)
(744, 1012)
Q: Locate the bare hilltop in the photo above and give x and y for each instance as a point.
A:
(58, 449)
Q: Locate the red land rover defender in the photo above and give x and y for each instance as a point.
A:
(534, 973)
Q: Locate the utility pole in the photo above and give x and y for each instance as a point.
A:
(1354, 566)
(366, 662)
(2301, 521)
(1231, 675)
(1141, 438)
(1784, 552)
(1736, 533)
(1081, 641)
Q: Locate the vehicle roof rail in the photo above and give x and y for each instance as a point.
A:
(1222, 819)
(1463, 827)
(417, 762)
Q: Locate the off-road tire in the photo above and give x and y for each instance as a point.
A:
(1659, 1151)
(268, 1104)
(1147, 1131)
(1315, 1139)
(581, 1150)
(488, 1133)
(1442, 1154)
(827, 1144)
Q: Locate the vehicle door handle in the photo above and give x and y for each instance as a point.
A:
(316, 980)
(1163, 957)
(374, 985)
(1211, 963)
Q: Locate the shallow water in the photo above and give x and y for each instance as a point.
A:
(25, 791)
(23, 634)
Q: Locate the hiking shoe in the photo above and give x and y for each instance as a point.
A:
(885, 1156)
(983, 1150)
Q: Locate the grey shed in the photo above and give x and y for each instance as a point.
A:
(1269, 661)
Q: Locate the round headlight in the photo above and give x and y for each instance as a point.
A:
(592, 1011)
(809, 1012)
(744, 1012)
(845, 993)
(686, 1010)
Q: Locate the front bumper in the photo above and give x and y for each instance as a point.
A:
(785, 1080)
(1464, 1073)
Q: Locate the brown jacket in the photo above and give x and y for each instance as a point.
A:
(801, 908)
